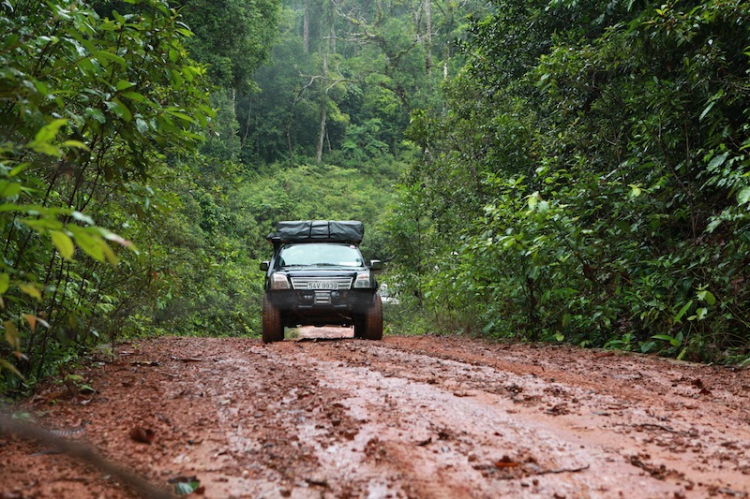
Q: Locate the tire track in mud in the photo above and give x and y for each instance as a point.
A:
(630, 448)
(279, 429)
(471, 440)
(425, 417)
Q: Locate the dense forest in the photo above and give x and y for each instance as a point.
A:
(590, 181)
(540, 170)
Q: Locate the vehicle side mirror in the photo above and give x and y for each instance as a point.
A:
(264, 266)
(376, 265)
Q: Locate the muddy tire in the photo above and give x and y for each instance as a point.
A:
(273, 330)
(373, 327)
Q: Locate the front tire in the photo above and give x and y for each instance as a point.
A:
(373, 329)
(273, 330)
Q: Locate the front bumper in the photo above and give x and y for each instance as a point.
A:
(321, 307)
(309, 299)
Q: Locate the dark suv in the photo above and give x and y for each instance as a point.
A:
(317, 277)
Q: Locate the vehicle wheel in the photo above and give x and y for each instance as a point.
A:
(273, 330)
(373, 329)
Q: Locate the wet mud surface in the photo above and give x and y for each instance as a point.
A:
(408, 417)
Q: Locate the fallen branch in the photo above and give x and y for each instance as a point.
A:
(83, 453)
(186, 359)
(659, 472)
(659, 427)
(563, 470)
(652, 425)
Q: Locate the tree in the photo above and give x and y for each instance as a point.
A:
(232, 37)
(594, 158)
(91, 107)
(375, 55)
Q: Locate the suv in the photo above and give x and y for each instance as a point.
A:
(317, 277)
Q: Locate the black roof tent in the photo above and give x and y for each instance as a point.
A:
(306, 231)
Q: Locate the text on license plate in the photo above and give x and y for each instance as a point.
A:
(322, 285)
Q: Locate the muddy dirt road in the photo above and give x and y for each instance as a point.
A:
(417, 417)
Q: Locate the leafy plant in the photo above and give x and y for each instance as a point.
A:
(589, 178)
(91, 107)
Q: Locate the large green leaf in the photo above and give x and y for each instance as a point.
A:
(63, 243)
(675, 342)
(9, 189)
(717, 161)
(49, 131)
(91, 244)
(4, 283)
(31, 289)
(743, 196)
(105, 55)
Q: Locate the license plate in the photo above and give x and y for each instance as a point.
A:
(322, 285)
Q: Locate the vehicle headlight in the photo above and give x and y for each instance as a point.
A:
(363, 280)
(279, 281)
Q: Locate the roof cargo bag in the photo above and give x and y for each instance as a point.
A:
(297, 231)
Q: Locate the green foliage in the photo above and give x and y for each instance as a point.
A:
(309, 192)
(359, 73)
(91, 107)
(590, 182)
(104, 118)
(232, 37)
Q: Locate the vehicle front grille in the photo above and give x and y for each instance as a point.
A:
(329, 283)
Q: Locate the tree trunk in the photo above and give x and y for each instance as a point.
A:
(289, 143)
(321, 133)
(306, 28)
(428, 35)
(323, 109)
(247, 122)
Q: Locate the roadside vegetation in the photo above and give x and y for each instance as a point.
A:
(544, 170)
(590, 180)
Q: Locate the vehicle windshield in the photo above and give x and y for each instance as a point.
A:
(320, 255)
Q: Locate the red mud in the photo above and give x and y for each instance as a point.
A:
(421, 417)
